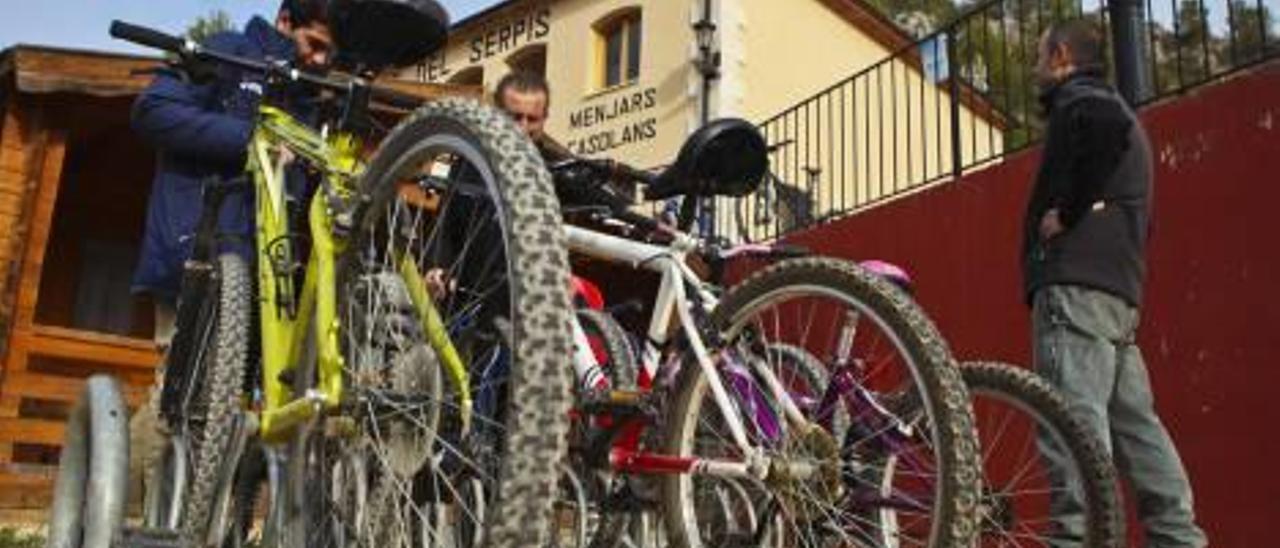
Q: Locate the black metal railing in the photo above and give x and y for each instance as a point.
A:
(964, 97)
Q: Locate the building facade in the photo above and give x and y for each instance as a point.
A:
(629, 80)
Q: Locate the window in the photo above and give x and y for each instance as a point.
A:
(618, 48)
(532, 58)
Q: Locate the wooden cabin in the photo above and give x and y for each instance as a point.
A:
(74, 183)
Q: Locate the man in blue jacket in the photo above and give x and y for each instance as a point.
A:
(200, 125)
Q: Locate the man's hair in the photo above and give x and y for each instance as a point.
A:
(522, 81)
(1082, 38)
(306, 12)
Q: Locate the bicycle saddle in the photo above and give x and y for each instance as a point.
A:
(727, 157)
(380, 34)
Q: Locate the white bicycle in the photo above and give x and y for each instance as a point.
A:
(708, 430)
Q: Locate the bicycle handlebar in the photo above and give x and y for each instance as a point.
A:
(187, 48)
(606, 169)
(639, 176)
(639, 221)
(609, 169)
(150, 37)
(765, 251)
(397, 99)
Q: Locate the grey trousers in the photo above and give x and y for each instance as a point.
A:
(1085, 346)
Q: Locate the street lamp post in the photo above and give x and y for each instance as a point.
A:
(708, 66)
(708, 62)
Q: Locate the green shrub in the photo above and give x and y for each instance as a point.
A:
(13, 538)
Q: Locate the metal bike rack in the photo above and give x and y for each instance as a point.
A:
(90, 494)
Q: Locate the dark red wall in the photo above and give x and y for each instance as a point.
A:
(1211, 331)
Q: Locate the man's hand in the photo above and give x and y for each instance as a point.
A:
(1051, 224)
(438, 283)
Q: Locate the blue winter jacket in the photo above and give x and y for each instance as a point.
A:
(200, 130)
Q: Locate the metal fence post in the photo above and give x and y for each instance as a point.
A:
(1127, 22)
(953, 75)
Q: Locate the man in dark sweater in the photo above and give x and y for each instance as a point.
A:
(526, 98)
(1085, 236)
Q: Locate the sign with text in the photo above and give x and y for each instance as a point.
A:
(501, 37)
(587, 135)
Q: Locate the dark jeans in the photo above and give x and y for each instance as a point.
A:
(1085, 346)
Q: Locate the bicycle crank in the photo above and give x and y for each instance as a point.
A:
(809, 483)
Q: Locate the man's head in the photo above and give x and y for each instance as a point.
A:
(307, 23)
(526, 98)
(1067, 47)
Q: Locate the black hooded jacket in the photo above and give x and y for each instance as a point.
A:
(1097, 172)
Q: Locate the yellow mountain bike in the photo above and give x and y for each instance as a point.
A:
(384, 365)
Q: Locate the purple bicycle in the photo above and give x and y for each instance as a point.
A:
(1026, 501)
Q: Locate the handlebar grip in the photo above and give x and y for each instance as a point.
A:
(147, 37)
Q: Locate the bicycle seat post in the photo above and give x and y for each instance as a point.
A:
(688, 213)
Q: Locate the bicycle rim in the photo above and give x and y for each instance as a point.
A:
(894, 477)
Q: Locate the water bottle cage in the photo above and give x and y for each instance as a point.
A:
(284, 269)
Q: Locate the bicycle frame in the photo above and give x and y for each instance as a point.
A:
(671, 301)
(283, 322)
(287, 321)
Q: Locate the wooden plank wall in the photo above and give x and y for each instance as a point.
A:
(21, 148)
(44, 366)
(37, 153)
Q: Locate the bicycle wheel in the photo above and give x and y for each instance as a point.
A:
(624, 520)
(611, 346)
(247, 515)
(801, 373)
(904, 472)
(460, 214)
(1019, 418)
(162, 501)
(213, 400)
(580, 520)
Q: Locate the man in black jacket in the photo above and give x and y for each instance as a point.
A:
(1085, 236)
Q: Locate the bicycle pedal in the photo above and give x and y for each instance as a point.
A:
(142, 537)
(617, 403)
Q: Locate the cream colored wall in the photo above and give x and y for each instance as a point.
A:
(662, 90)
(862, 143)
(788, 50)
(643, 123)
